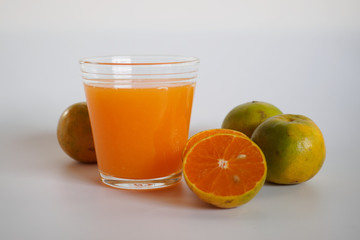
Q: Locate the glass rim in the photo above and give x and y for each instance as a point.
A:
(108, 60)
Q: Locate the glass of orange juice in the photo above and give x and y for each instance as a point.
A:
(140, 108)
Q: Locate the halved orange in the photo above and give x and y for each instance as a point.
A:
(203, 134)
(225, 169)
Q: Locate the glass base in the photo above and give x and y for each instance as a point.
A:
(141, 184)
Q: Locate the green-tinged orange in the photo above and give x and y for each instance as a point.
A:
(74, 133)
(294, 148)
(225, 169)
(246, 117)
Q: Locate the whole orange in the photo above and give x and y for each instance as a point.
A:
(74, 133)
(247, 116)
(293, 146)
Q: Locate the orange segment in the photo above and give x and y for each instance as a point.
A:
(225, 169)
(203, 134)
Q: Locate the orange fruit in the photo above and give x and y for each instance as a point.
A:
(225, 169)
(74, 133)
(247, 116)
(203, 134)
(294, 148)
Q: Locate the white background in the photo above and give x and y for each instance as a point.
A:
(302, 56)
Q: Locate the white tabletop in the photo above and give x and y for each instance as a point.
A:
(46, 195)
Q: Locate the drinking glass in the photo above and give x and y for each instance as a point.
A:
(139, 108)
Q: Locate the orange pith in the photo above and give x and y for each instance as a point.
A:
(203, 134)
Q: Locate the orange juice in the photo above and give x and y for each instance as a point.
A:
(140, 132)
(139, 109)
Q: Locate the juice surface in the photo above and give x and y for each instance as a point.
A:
(140, 133)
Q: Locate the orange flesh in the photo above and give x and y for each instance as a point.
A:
(201, 135)
(225, 165)
(139, 133)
